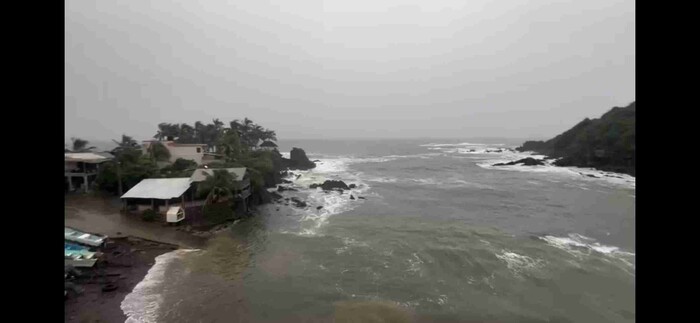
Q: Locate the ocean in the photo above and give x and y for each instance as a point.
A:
(434, 234)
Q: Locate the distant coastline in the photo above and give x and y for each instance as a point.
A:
(607, 143)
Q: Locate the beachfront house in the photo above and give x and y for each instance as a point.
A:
(80, 169)
(194, 152)
(158, 194)
(242, 191)
(268, 145)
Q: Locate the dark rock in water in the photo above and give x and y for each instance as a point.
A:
(286, 199)
(529, 161)
(316, 161)
(589, 175)
(286, 181)
(319, 207)
(276, 196)
(298, 160)
(361, 197)
(352, 186)
(352, 197)
(298, 176)
(284, 188)
(331, 185)
(298, 203)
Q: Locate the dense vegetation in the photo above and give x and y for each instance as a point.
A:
(607, 143)
(235, 144)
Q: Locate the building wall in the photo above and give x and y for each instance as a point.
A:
(186, 152)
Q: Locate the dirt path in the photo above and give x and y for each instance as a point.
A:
(101, 215)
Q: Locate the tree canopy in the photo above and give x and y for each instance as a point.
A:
(80, 145)
(607, 143)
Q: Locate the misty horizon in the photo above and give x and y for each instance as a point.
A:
(361, 70)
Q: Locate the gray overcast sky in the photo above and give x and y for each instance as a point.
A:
(347, 69)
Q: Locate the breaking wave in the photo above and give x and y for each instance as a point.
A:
(581, 247)
(585, 174)
(519, 263)
(142, 305)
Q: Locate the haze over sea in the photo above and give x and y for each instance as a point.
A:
(439, 236)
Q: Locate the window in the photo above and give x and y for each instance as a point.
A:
(199, 150)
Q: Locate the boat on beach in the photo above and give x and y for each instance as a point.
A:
(79, 256)
(76, 260)
(89, 239)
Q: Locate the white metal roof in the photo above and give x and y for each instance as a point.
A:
(159, 188)
(85, 157)
(198, 175)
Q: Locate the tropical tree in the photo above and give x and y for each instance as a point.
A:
(158, 152)
(218, 186)
(230, 146)
(80, 145)
(251, 133)
(186, 134)
(166, 130)
(126, 143)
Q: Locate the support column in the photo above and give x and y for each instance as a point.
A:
(85, 180)
(70, 183)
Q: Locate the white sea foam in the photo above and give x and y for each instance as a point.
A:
(145, 300)
(333, 203)
(584, 174)
(414, 264)
(581, 246)
(519, 263)
(349, 243)
(383, 179)
(459, 144)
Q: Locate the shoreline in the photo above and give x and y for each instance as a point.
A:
(130, 253)
(124, 263)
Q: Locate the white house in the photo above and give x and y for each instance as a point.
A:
(80, 169)
(193, 152)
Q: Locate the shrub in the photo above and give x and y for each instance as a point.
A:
(149, 215)
(217, 213)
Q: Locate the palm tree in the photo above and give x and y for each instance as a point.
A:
(79, 145)
(230, 145)
(158, 152)
(127, 150)
(218, 186)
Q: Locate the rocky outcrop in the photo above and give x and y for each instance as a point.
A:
(352, 197)
(298, 203)
(607, 143)
(331, 185)
(281, 188)
(297, 160)
(529, 161)
(276, 196)
(352, 186)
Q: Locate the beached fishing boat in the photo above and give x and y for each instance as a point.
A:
(79, 261)
(84, 238)
(79, 256)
